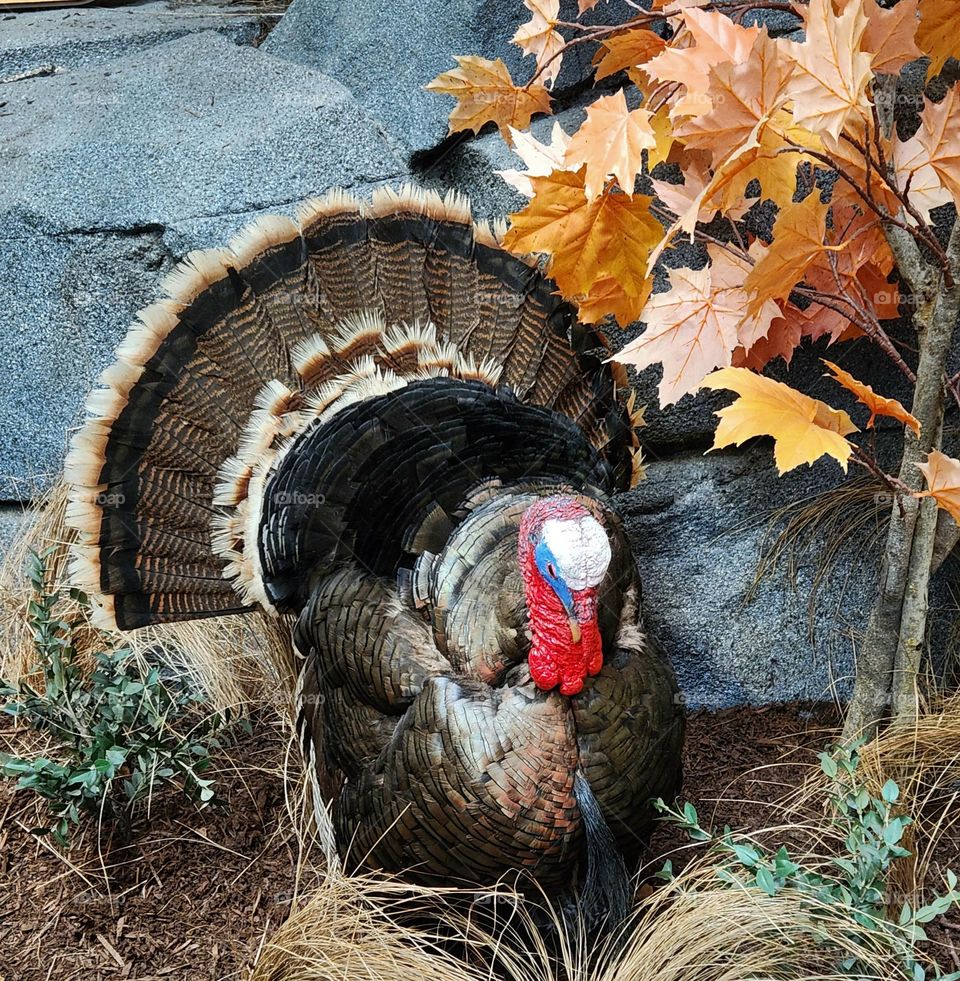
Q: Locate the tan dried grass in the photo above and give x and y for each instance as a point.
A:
(694, 929)
(241, 662)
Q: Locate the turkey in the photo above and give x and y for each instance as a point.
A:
(376, 420)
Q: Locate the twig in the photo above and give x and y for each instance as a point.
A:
(896, 486)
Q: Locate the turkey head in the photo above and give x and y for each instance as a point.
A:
(564, 554)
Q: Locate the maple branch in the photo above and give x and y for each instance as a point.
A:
(953, 383)
(878, 145)
(881, 213)
(740, 241)
(591, 34)
(728, 5)
(668, 89)
(896, 486)
(953, 387)
(643, 17)
(922, 231)
(662, 211)
(868, 323)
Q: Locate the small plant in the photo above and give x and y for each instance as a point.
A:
(118, 730)
(856, 880)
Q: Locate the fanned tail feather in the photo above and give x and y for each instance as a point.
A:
(278, 332)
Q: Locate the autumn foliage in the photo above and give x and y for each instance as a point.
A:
(743, 116)
(702, 121)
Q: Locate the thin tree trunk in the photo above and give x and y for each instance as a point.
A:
(888, 630)
(871, 692)
(913, 620)
(947, 536)
(929, 400)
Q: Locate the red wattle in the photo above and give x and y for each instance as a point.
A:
(555, 658)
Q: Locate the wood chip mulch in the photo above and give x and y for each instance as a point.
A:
(195, 894)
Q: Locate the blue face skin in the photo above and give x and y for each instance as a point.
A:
(547, 565)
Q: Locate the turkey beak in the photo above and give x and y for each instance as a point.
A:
(570, 610)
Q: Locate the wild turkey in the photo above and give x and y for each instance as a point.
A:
(376, 419)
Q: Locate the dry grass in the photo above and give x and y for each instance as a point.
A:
(242, 662)
(924, 760)
(820, 530)
(694, 929)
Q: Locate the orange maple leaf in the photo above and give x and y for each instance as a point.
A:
(680, 198)
(819, 321)
(911, 161)
(937, 35)
(781, 341)
(861, 268)
(797, 240)
(741, 95)
(627, 50)
(830, 83)
(877, 404)
(611, 141)
(716, 39)
(803, 429)
(939, 135)
(607, 298)
(878, 292)
(724, 174)
(853, 163)
(942, 474)
(539, 37)
(695, 326)
(541, 158)
(757, 157)
(662, 127)
(486, 93)
(609, 237)
(775, 171)
(889, 37)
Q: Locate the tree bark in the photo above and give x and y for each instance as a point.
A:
(897, 621)
(913, 620)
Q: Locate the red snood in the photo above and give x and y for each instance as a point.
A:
(564, 650)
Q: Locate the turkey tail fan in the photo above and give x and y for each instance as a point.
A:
(290, 323)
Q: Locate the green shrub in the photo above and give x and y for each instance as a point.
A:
(857, 879)
(116, 732)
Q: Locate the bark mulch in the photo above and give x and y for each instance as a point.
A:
(195, 893)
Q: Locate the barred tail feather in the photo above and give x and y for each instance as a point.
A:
(255, 343)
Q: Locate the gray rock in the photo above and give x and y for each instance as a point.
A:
(699, 527)
(86, 37)
(67, 302)
(385, 51)
(13, 519)
(209, 232)
(195, 128)
(779, 23)
(110, 174)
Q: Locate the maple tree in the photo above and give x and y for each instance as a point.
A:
(744, 116)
